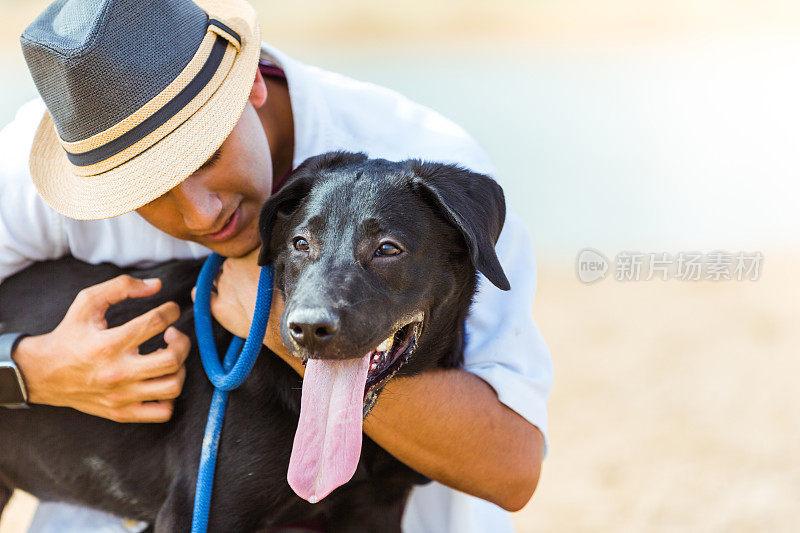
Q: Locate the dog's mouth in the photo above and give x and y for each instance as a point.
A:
(337, 395)
(388, 357)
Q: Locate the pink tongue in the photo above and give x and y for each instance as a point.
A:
(327, 444)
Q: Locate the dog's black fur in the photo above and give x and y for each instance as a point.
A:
(445, 219)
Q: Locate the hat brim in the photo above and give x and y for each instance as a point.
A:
(167, 163)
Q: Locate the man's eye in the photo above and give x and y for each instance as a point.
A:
(301, 244)
(387, 248)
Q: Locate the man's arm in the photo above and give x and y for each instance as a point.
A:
(449, 425)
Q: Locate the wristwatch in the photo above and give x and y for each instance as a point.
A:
(13, 393)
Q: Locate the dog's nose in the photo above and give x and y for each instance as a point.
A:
(313, 328)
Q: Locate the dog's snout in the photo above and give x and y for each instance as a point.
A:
(312, 328)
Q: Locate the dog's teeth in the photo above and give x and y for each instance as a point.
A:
(373, 366)
(385, 345)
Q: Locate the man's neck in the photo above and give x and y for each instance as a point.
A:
(276, 117)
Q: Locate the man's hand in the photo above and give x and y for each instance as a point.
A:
(234, 303)
(85, 365)
(237, 281)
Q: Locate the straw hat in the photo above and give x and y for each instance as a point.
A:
(139, 95)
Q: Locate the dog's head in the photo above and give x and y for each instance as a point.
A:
(370, 253)
(377, 262)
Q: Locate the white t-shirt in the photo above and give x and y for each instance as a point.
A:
(331, 112)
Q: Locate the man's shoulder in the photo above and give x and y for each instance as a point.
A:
(20, 204)
(124, 240)
(336, 112)
(387, 124)
(16, 139)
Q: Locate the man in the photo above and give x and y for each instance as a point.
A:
(161, 139)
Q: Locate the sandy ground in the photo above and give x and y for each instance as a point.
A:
(675, 406)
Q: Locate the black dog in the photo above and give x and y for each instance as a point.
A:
(376, 261)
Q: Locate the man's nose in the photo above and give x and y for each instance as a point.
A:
(199, 207)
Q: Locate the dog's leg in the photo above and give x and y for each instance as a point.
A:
(175, 515)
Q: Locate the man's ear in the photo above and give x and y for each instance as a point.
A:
(473, 203)
(258, 92)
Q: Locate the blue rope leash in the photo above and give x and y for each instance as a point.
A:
(226, 376)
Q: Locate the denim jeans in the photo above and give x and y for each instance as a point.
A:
(56, 517)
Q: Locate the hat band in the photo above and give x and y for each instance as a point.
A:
(187, 93)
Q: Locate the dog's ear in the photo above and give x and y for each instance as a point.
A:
(297, 186)
(473, 203)
(282, 204)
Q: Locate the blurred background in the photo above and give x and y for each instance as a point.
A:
(620, 125)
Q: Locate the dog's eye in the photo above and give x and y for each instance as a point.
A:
(387, 248)
(301, 244)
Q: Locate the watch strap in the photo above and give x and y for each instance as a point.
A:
(8, 343)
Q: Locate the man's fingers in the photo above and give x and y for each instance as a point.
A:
(213, 288)
(95, 300)
(148, 325)
(163, 388)
(216, 304)
(144, 412)
(222, 310)
(165, 361)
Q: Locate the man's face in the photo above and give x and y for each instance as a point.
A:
(218, 206)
